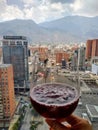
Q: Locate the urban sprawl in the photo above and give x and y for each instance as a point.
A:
(24, 65)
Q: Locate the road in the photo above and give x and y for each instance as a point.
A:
(44, 126)
(27, 119)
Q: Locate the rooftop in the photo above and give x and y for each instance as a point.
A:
(93, 110)
(4, 65)
(14, 37)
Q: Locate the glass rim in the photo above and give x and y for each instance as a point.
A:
(39, 85)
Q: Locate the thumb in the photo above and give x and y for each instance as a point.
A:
(55, 125)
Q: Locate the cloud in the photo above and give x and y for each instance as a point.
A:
(18, 3)
(85, 7)
(8, 12)
(46, 10)
(31, 3)
(2, 6)
(62, 1)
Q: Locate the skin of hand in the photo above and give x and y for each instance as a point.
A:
(73, 123)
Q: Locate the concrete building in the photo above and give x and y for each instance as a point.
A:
(74, 61)
(1, 55)
(88, 49)
(15, 52)
(95, 69)
(91, 48)
(42, 51)
(7, 97)
(78, 55)
(95, 48)
(60, 56)
(92, 111)
(94, 63)
(82, 58)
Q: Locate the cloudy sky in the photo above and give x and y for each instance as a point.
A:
(46, 10)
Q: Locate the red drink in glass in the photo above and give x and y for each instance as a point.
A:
(54, 100)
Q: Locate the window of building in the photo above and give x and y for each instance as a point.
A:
(12, 42)
(19, 42)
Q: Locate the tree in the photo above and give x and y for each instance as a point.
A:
(16, 125)
(34, 124)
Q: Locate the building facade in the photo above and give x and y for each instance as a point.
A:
(60, 56)
(88, 49)
(78, 55)
(7, 97)
(74, 60)
(91, 48)
(15, 52)
(95, 69)
(42, 51)
(95, 48)
(82, 58)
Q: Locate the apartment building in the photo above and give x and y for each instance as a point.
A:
(42, 51)
(91, 48)
(7, 97)
(60, 56)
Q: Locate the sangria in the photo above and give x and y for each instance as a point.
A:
(54, 100)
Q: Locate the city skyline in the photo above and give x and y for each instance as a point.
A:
(46, 10)
(62, 61)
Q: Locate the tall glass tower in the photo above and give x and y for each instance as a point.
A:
(15, 52)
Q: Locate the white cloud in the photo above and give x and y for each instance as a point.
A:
(31, 3)
(2, 6)
(44, 10)
(12, 12)
(9, 12)
(77, 5)
(57, 6)
(85, 7)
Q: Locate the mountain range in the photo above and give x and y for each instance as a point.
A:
(65, 30)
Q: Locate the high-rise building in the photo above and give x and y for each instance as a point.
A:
(88, 49)
(78, 55)
(0, 55)
(60, 56)
(7, 97)
(15, 52)
(82, 58)
(91, 48)
(95, 48)
(74, 60)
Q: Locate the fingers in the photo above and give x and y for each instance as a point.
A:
(72, 119)
(50, 129)
(55, 125)
(74, 122)
(77, 122)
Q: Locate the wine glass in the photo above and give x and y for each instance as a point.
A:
(54, 100)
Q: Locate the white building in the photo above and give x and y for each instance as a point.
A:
(95, 69)
(92, 111)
